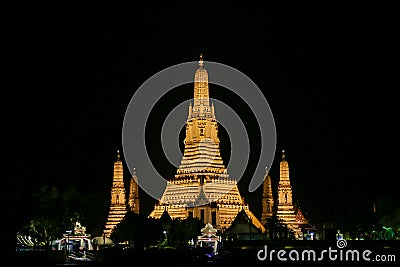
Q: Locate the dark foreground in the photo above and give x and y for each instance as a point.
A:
(245, 254)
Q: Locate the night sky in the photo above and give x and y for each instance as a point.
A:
(328, 72)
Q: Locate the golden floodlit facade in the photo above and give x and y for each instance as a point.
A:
(283, 207)
(286, 210)
(118, 206)
(202, 187)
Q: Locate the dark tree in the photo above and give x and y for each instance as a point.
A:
(278, 230)
(53, 214)
(138, 230)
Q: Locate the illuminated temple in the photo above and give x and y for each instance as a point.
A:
(283, 207)
(119, 205)
(202, 187)
(267, 199)
(286, 210)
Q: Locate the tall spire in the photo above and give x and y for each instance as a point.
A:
(286, 210)
(284, 170)
(201, 105)
(118, 170)
(202, 187)
(267, 199)
(133, 200)
(117, 209)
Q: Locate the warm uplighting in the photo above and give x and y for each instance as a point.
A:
(202, 177)
(118, 207)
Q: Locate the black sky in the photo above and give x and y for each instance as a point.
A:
(328, 71)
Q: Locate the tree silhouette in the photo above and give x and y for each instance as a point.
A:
(53, 214)
(46, 222)
(138, 230)
(277, 229)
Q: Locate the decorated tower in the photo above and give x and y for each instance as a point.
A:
(133, 200)
(202, 187)
(117, 209)
(286, 211)
(267, 199)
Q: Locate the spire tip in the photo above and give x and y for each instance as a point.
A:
(201, 64)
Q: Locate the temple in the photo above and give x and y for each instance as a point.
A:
(267, 199)
(133, 200)
(283, 207)
(286, 210)
(118, 205)
(202, 187)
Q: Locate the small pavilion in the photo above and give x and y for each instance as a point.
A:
(209, 238)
